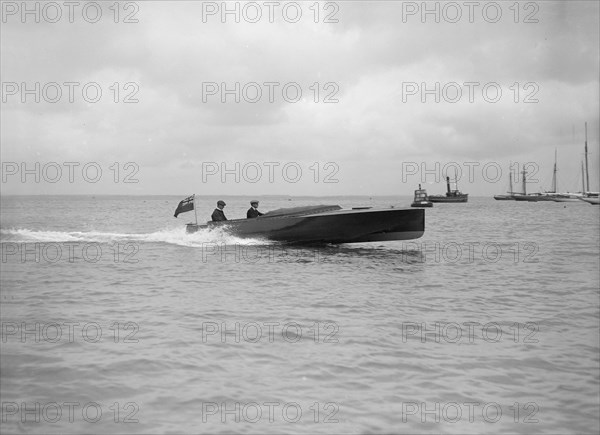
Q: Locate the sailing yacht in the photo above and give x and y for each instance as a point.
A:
(511, 194)
(589, 197)
(560, 197)
(529, 197)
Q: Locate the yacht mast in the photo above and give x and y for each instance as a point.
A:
(587, 174)
(554, 174)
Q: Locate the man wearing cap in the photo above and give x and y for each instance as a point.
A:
(218, 214)
(253, 211)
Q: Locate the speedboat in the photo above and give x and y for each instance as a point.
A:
(326, 224)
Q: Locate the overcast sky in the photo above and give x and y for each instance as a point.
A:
(371, 62)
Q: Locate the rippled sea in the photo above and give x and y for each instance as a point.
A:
(114, 320)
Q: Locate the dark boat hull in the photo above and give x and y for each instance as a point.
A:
(527, 198)
(451, 196)
(422, 204)
(338, 226)
(533, 197)
(591, 200)
(439, 198)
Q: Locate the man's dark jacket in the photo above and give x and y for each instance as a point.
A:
(218, 215)
(253, 213)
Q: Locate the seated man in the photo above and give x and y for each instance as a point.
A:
(252, 211)
(218, 214)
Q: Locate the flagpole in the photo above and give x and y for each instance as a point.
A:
(195, 212)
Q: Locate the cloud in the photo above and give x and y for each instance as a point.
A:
(171, 60)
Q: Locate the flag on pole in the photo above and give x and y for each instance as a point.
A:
(185, 205)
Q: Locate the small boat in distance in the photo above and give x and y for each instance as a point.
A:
(529, 197)
(324, 224)
(451, 195)
(421, 199)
